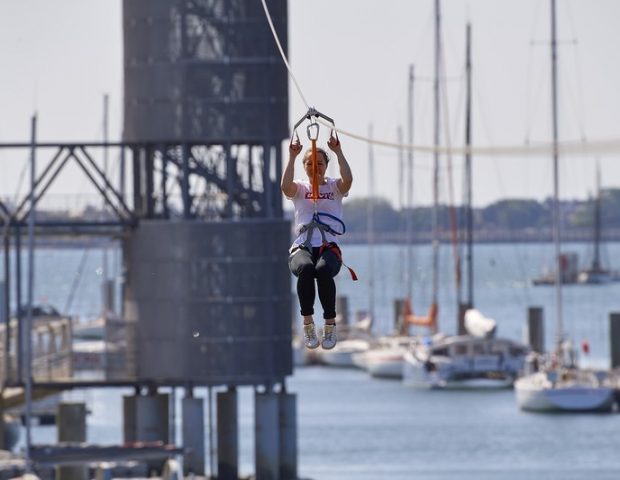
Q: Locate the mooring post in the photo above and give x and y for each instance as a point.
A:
(146, 420)
(288, 435)
(614, 339)
(399, 324)
(342, 310)
(227, 435)
(193, 434)
(536, 329)
(463, 307)
(267, 441)
(71, 425)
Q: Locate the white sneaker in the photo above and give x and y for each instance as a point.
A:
(329, 337)
(310, 338)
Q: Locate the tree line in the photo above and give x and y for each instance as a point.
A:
(501, 217)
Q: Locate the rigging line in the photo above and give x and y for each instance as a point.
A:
(534, 99)
(573, 101)
(484, 123)
(402, 272)
(565, 148)
(18, 188)
(76, 281)
(581, 115)
(459, 112)
(529, 114)
(569, 147)
(450, 177)
(288, 67)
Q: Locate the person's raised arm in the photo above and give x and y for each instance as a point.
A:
(346, 177)
(288, 186)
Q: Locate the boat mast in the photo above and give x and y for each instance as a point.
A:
(596, 263)
(370, 231)
(556, 186)
(29, 312)
(104, 260)
(469, 256)
(409, 219)
(435, 220)
(402, 272)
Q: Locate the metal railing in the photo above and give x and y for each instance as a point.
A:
(51, 351)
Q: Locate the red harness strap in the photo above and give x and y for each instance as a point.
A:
(336, 249)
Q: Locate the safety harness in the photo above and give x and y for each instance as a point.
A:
(316, 223)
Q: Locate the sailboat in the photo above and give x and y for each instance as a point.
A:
(385, 358)
(560, 385)
(596, 274)
(474, 358)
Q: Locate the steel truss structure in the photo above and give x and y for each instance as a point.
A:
(205, 114)
(166, 181)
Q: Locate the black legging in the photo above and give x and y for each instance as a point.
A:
(306, 267)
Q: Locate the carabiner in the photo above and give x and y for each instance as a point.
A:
(309, 128)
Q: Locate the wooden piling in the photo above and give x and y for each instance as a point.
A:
(71, 424)
(536, 329)
(614, 339)
(227, 435)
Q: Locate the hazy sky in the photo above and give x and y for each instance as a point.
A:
(351, 59)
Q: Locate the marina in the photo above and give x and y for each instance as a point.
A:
(396, 432)
(151, 301)
(379, 427)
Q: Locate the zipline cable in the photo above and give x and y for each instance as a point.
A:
(288, 67)
(573, 147)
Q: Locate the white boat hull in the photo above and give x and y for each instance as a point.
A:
(385, 362)
(89, 355)
(336, 359)
(386, 368)
(342, 354)
(535, 395)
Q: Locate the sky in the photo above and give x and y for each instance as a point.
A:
(351, 59)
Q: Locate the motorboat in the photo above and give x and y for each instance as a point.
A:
(463, 361)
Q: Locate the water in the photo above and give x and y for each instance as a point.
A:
(502, 289)
(353, 427)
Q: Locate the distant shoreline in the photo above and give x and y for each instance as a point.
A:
(530, 235)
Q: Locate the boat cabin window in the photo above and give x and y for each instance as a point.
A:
(460, 349)
(441, 352)
(478, 348)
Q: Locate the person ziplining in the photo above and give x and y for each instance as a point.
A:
(314, 253)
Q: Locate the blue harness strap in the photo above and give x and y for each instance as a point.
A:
(324, 227)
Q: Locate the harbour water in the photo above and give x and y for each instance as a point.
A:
(353, 427)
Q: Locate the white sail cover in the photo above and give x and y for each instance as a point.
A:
(478, 325)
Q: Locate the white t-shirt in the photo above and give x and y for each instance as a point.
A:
(330, 201)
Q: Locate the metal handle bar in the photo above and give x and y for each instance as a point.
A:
(313, 112)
